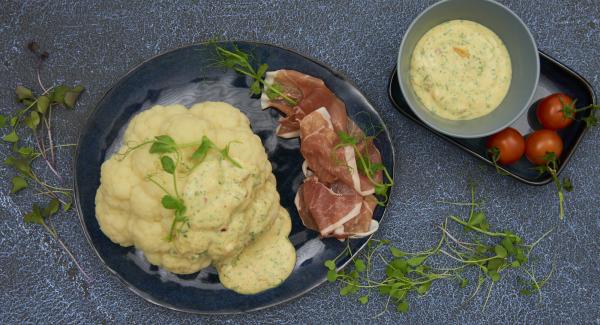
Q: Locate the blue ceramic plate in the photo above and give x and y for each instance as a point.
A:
(188, 75)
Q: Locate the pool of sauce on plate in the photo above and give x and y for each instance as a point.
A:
(264, 263)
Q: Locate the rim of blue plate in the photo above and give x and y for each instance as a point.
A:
(148, 297)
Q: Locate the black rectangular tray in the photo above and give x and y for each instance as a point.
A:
(554, 77)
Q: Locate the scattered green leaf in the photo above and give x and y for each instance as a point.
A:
(11, 137)
(168, 165)
(18, 183)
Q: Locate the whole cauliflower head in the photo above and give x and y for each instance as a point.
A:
(227, 207)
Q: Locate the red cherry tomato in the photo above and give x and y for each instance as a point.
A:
(510, 144)
(551, 111)
(540, 143)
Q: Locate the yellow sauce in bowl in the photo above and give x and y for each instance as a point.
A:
(460, 70)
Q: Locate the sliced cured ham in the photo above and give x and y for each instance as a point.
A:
(324, 210)
(335, 199)
(328, 163)
(337, 211)
(308, 93)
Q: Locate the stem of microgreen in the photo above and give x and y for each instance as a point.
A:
(494, 152)
(535, 243)
(54, 235)
(458, 203)
(49, 128)
(489, 233)
(38, 154)
(151, 179)
(487, 297)
(177, 155)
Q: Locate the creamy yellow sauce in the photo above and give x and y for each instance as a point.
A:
(460, 70)
(235, 221)
(265, 263)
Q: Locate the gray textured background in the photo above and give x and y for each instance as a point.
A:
(94, 43)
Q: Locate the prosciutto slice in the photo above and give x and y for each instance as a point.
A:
(309, 94)
(324, 210)
(328, 163)
(337, 211)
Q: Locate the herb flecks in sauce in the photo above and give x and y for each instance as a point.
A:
(460, 70)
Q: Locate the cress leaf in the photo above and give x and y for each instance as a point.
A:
(415, 261)
(261, 71)
(25, 152)
(347, 139)
(331, 275)
(67, 206)
(495, 276)
(42, 104)
(402, 306)
(57, 95)
(363, 299)
(33, 120)
(23, 93)
(330, 265)
(12, 137)
(346, 290)
(423, 288)
(477, 219)
(495, 264)
(13, 121)
(508, 245)
(396, 252)
(168, 165)
(163, 144)
(71, 96)
(500, 251)
(171, 203)
(360, 265)
(18, 183)
(51, 208)
(2, 121)
(34, 216)
(202, 150)
(19, 164)
(274, 91)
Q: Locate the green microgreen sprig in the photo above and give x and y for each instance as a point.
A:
(551, 167)
(366, 166)
(242, 63)
(492, 253)
(28, 131)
